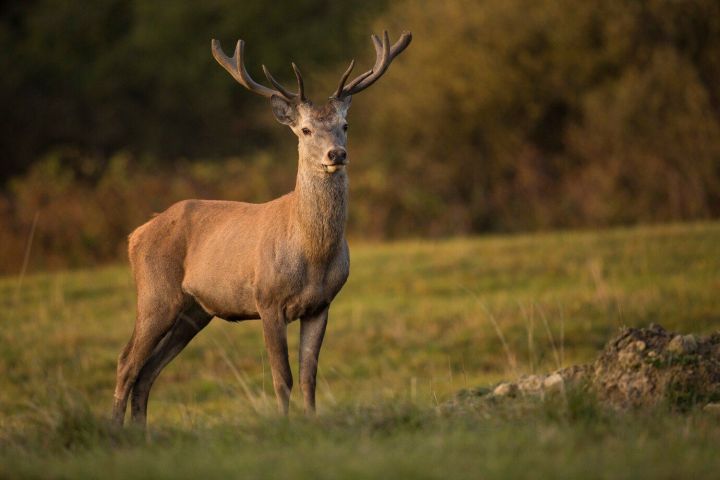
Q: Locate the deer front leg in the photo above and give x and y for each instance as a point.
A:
(275, 333)
(312, 331)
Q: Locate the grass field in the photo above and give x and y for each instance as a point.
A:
(416, 322)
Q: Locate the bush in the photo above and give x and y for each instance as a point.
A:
(83, 220)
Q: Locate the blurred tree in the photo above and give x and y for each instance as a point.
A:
(133, 75)
(510, 115)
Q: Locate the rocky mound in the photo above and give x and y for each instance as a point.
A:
(639, 367)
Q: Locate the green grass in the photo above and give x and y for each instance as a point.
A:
(416, 322)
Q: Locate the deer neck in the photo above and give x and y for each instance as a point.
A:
(321, 205)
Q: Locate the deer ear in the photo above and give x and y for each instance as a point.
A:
(284, 111)
(344, 104)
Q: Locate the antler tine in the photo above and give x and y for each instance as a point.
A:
(301, 85)
(378, 57)
(382, 52)
(384, 55)
(236, 67)
(285, 93)
(350, 86)
(343, 79)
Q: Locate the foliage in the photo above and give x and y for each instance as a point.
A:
(138, 76)
(84, 214)
(524, 114)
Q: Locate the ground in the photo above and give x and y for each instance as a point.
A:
(416, 323)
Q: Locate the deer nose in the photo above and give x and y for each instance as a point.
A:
(337, 155)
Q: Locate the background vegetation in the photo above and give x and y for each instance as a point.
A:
(417, 322)
(502, 116)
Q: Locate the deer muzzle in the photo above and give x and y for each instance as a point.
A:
(336, 159)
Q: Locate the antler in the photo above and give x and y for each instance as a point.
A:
(236, 67)
(384, 56)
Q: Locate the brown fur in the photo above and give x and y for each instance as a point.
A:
(277, 261)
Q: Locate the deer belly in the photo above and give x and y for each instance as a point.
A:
(228, 302)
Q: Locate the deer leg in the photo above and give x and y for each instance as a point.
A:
(312, 331)
(275, 334)
(120, 398)
(151, 326)
(187, 325)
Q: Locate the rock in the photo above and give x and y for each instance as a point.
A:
(655, 328)
(691, 343)
(676, 345)
(640, 367)
(554, 383)
(505, 389)
(575, 375)
(530, 384)
(680, 369)
(628, 359)
(683, 345)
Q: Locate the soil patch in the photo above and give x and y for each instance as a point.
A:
(639, 367)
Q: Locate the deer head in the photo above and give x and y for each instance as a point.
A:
(321, 130)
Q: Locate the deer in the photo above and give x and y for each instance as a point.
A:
(277, 262)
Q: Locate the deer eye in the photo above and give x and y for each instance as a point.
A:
(306, 131)
(345, 127)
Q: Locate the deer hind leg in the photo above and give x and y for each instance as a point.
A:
(154, 319)
(188, 324)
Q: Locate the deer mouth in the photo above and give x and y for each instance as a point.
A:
(334, 167)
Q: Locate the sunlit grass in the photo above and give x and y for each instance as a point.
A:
(416, 322)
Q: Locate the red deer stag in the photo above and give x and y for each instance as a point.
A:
(277, 261)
